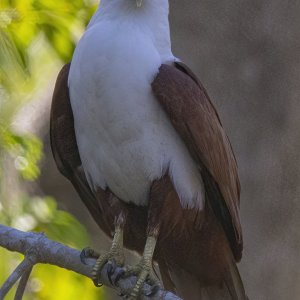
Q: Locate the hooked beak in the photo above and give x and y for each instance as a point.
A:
(139, 3)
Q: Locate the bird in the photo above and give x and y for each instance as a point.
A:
(134, 130)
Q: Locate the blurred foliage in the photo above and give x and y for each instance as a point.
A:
(26, 150)
(47, 282)
(36, 37)
(22, 25)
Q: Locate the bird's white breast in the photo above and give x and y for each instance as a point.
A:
(125, 139)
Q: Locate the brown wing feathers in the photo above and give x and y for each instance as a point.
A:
(65, 150)
(195, 119)
(62, 134)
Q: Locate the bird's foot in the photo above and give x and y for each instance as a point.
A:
(115, 257)
(144, 274)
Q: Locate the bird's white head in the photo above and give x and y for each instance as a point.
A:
(136, 5)
(148, 16)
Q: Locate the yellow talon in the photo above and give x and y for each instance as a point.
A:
(143, 270)
(116, 255)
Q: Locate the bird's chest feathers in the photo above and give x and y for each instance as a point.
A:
(125, 140)
(117, 119)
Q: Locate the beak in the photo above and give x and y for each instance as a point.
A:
(139, 3)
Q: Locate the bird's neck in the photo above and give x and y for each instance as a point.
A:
(151, 17)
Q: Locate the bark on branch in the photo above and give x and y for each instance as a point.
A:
(37, 248)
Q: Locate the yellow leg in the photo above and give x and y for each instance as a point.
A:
(115, 254)
(144, 270)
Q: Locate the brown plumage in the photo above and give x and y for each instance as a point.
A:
(201, 246)
(196, 120)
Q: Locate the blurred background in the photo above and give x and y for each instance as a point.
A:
(247, 55)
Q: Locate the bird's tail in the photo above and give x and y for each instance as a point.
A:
(188, 287)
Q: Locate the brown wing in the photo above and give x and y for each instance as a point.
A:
(194, 117)
(65, 150)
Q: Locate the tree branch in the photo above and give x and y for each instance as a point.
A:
(37, 248)
(21, 269)
(22, 284)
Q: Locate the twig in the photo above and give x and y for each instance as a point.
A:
(49, 252)
(22, 284)
(22, 268)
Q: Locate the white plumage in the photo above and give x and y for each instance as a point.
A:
(125, 139)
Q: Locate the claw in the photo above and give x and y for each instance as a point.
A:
(144, 275)
(155, 288)
(115, 257)
(112, 261)
(144, 271)
(119, 275)
(111, 267)
(87, 253)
